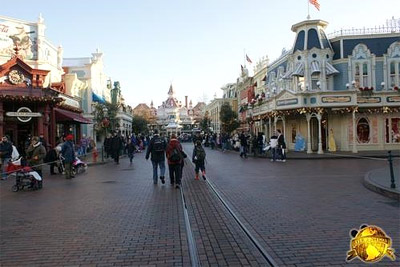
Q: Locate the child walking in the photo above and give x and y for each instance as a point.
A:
(199, 156)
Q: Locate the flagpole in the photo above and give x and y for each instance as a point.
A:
(308, 16)
(244, 58)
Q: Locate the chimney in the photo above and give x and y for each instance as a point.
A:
(186, 103)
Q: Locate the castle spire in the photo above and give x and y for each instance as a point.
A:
(171, 91)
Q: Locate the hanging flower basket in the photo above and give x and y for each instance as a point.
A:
(396, 88)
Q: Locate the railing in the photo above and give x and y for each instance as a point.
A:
(364, 31)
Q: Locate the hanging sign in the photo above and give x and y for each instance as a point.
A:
(24, 114)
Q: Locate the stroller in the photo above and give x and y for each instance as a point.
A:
(25, 176)
(78, 166)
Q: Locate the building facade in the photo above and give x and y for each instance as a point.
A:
(344, 88)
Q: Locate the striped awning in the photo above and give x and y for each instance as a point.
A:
(315, 67)
(330, 70)
(299, 70)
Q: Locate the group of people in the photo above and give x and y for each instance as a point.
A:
(160, 149)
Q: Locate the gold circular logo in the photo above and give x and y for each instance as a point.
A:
(370, 244)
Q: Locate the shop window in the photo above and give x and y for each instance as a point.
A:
(363, 131)
(392, 130)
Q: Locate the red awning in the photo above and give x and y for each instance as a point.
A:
(69, 116)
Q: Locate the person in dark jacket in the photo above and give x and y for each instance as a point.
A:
(5, 155)
(198, 158)
(107, 145)
(130, 148)
(116, 146)
(243, 145)
(281, 146)
(68, 153)
(52, 157)
(174, 153)
(35, 155)
(157, 148)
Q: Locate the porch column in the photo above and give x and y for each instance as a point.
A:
(46, 121)
(354, 133)
(275, 121)
(319, 117)
(269, 127)
(1, 119)
(284, 130)
(308, 117)
(40, 122)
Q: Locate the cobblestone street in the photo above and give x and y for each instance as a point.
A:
(300, 211)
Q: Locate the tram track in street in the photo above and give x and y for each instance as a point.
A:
(196, 261)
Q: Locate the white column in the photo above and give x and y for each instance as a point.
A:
(269, 127)
(320, 151)
(308, 117)
(354, 133)
(275, 121)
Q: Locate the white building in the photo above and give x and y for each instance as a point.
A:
(90, 70)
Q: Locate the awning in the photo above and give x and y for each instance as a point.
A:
(315, 67)
(97, 98)
(287, 75)
(330, 70)
(69, 116)
(299, 70)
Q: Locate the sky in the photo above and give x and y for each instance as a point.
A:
(198, 46)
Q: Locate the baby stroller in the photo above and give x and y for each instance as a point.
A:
(78, 166)
(25, 176)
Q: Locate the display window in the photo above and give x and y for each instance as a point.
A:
(392, 130)
(363, 131)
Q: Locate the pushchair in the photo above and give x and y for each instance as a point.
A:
(25, 176)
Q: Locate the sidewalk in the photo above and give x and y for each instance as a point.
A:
(379, 181)
(382, 154)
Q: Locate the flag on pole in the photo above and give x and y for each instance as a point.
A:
(314, 3)
(248, 59)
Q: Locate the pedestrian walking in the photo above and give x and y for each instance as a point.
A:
(84, 143)
(273, 143)
(198, 158)
(243, 145)
(107, 145)
(130, 148)
(35, 156)
(281, 146)
(5, 155)
(174, 154)
(68, 153)
(52, 158)
(116, 146)
(157, 148)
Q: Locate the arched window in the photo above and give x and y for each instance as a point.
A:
(363, 131)
(361, 60)
(393, 63)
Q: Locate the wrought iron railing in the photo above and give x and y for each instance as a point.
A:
(365, 31)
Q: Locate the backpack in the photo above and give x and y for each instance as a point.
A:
(158, 145)
(200, 153)
(175, 155)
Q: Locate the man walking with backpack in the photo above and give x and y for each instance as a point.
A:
(199, 156)
(175, 158)
(157, 148)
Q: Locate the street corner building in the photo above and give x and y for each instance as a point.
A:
(344, 88)
(34, 98)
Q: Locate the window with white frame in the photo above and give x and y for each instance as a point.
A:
(361, 62)
(393, 63)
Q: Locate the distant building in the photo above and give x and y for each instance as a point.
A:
(173, 116)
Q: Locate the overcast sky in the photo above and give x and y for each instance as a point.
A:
(197, 45)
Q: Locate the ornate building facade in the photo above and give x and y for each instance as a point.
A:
(345, 87)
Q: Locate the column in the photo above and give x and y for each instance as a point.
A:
(308, 117)
(1, 119)
(319, 117)
(269, 127)
(354, 133)
(46, 121)
(275, 121)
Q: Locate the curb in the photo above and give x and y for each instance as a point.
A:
(373, 186)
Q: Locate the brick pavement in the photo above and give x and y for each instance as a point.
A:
(112, 215)
(219, 240)
(302, 211)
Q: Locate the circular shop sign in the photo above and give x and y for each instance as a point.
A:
(21, 117)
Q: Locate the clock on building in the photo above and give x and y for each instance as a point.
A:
(16, 77)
